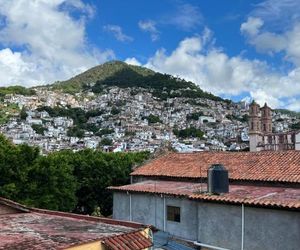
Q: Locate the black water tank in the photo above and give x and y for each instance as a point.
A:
(217, 179)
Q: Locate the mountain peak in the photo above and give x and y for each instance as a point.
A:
(123, 75)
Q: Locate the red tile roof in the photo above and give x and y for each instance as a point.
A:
(279, 197)
(37, 229)
(253, 166)
(130, 241)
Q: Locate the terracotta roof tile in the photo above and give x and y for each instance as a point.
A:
(280, 197)
(254, 166)
(38, 229)
(129, 241)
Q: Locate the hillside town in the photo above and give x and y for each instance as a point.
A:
(129, 119)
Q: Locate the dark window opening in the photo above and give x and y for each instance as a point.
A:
(270, 139)
(293, 138)
(173, 213)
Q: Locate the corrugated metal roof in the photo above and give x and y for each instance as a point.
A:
(280, 197)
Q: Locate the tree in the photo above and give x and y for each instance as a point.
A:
(15, 164)
(23, 114)
(52, 184)
(106, 142)
(39, 129)
(115, 111)
(152, 119)
(295, 126)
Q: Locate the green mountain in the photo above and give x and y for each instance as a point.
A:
(16, 90)
(123, 75)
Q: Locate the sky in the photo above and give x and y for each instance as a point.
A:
(237, 49)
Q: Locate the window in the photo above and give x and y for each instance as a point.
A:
(293, 138)
(173, 213)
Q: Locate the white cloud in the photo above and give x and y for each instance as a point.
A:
(198, 60)
(277, 14)
(44, 42)
(149, 26)
(118, 33)
(252, 26)
(269, 42)
(133, 61)
(186, 17)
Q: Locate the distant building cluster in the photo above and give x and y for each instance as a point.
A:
(132, 119)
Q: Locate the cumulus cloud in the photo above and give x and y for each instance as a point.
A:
(118, 33)
(43, 42)
(197, 59)
(278, 14)
(252, 26)
(149, 26)
(270, 42)
(133, 61)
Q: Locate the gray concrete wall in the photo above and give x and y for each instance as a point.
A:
(220, 225)
(271, 229)
(149, 209)
(215, 224)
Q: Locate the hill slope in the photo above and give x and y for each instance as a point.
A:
(123, 75)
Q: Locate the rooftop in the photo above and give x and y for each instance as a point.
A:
(267, 166)
(37, 229)
(276, 197)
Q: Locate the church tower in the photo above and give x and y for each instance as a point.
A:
(266, 119)
(254, 126)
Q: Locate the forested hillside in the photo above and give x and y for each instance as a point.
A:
(123, 75)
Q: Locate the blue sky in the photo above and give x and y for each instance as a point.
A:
(236, 49)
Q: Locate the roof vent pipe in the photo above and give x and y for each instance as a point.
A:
(217, 179)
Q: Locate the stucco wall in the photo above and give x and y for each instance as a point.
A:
(215, 224)
(220, 225)
(149, 209)
(271, 229)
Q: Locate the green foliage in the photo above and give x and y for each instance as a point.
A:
(54, 184)
(105, 131)
(295, 126)
(75, 132)
(188, 132)
(23, 114)
(106, 142)
(98, 73)
(288, 112)
(152, 119)
(122, 75)
(194, 116)
(6, 111)
(129, 133)
(164, 85)
(39, 129)
(15, 164)
(16, 90)
(95, 171)
(63, 180)
(115, 111)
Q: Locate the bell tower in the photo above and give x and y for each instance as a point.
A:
(254, 126)
(266, 119)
